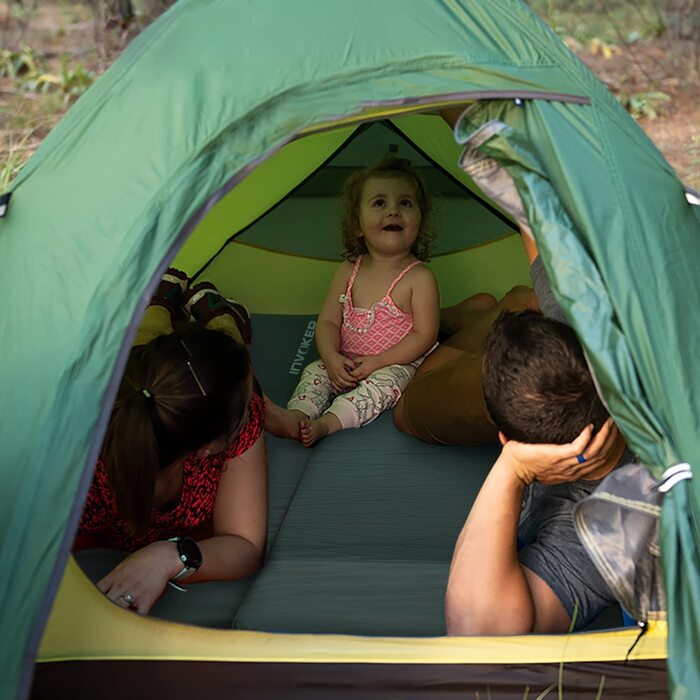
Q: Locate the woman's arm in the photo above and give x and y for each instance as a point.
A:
(235, 550)
(237, 547)
(425, 307)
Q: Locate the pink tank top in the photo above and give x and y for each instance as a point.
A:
(374, 330)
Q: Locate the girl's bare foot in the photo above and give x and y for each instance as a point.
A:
(311, 431)
(282, 422)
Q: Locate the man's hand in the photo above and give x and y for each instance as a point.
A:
(364, 366)
(139, 580)
(339, 370)
(559, 464)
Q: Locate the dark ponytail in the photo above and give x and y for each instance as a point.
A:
(179, 392)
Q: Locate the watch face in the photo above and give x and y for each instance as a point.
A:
(189, 549)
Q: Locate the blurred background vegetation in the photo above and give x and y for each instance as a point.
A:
(646, 51)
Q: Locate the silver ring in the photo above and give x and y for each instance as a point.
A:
(128, 597)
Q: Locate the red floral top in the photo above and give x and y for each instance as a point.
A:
(102, 526)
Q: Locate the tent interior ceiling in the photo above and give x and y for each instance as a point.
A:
(475, 249)
(461, 220)
(315, 166)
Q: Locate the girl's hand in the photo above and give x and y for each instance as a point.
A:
(559, 464)
(138, 581)
(364, 366)
(339, 370)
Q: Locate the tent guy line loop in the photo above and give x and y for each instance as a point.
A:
(672, 476)
(643, 629)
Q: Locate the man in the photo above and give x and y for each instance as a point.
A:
(558, 442)
(555, 433)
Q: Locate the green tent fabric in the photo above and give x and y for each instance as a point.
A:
(202, 104)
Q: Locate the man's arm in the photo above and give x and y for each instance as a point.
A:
(489, 591)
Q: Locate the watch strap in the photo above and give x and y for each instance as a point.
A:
(188, 566)
(183, 572)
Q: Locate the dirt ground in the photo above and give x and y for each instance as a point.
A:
(64, 33)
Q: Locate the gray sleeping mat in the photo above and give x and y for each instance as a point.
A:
(361, 526)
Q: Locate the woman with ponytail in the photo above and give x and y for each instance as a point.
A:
(182, 478)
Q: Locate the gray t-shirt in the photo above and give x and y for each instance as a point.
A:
(550, 546)
(552, 549)
(543, 292)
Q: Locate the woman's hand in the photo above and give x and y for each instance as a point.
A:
(560, 464)
(364, 366)
(339, 370)
(139, 580)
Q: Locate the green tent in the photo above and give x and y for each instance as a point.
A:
(209, 120)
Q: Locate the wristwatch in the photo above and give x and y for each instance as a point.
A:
(190, 555)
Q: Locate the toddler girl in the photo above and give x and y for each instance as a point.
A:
(380, 318)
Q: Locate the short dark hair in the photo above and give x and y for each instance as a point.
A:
(536, 381)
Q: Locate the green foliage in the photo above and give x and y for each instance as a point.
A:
(601, 687)
(75, 81)
(15, 158)
(604, 48)
(546, 692)
(604, 20)
(17, 64)
(30, 74)
(559, 685)
(71, 82)
(21, 10)
(644, 104)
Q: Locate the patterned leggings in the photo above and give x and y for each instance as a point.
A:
(315, 395)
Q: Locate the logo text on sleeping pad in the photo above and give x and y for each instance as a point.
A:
(303, 349)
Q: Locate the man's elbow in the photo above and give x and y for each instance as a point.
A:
(466, 621)
(468, 617)
(463, 615)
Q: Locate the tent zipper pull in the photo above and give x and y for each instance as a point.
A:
(643, 629)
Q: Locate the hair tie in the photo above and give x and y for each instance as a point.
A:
(147, 393)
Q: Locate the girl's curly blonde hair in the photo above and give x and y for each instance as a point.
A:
(389, 166)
